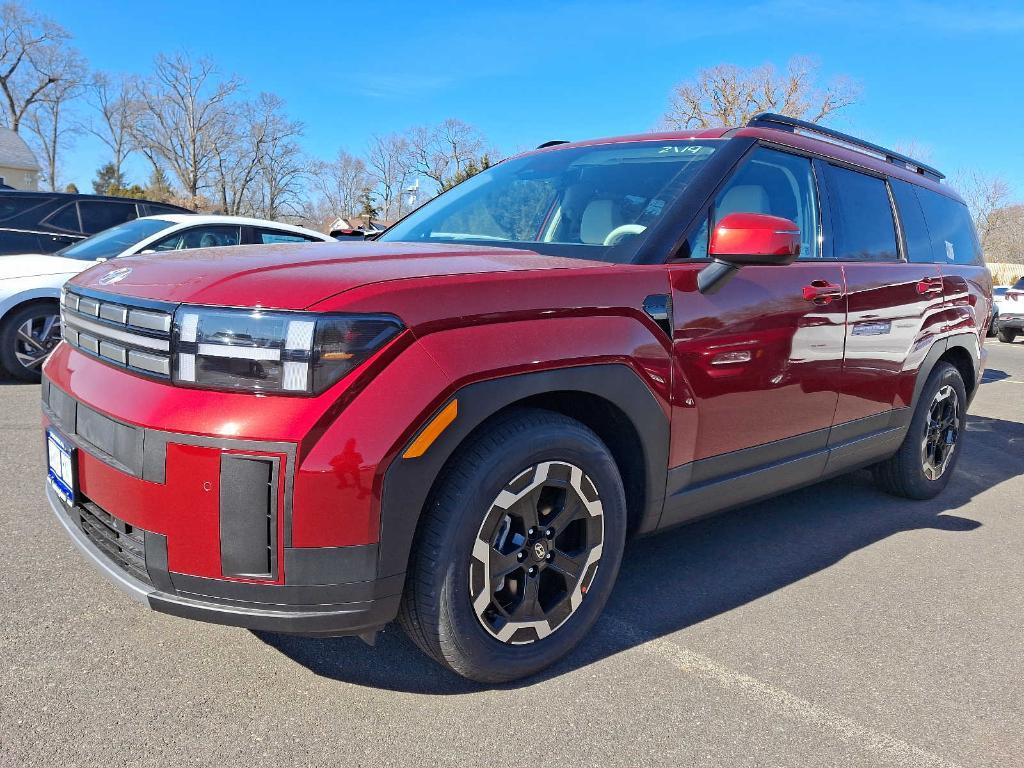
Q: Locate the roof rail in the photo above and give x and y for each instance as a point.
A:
(794, 125)
(554, 143)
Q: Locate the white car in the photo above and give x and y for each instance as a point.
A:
(30, 284)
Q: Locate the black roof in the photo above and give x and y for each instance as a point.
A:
(80, 196)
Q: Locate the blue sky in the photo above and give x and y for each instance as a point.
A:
(945, 78)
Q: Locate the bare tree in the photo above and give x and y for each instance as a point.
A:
(280, 163)
(186, 114)
(115, 101)
(258, 164)
(339, 186)
(729, 95)
(49, 123)
(35, 56)
(444, 152)
(988, 198)
(390, 165)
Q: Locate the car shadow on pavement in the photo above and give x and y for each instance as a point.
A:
(695, 572)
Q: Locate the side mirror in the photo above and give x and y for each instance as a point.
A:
(748, 239)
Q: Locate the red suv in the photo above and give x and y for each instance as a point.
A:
(460, 424)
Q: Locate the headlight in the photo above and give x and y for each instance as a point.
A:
(264, 351)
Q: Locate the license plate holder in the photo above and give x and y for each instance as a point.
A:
(61, 467)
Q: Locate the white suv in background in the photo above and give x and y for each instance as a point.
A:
(30, 283)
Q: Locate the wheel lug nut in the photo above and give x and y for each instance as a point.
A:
(521, 556)
(532, 570)
(550, 532)
(549, 556)
(532, 531)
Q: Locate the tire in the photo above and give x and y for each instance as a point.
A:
(516, 468)
(23, 360)
(1007, 335)
(992, 326)
(928, 455)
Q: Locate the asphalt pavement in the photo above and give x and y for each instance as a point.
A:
(833, 626)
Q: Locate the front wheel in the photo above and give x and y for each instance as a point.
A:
(27, 337)
(518, 549)
(1007, 335)
(926, 459)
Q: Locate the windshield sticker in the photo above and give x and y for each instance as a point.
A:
(949, 251)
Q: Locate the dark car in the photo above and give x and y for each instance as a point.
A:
(45, 222)
(459, 424)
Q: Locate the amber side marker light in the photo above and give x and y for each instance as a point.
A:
(430, 433)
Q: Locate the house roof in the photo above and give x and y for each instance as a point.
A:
(14, 152)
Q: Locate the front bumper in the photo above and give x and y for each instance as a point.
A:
(318, 610)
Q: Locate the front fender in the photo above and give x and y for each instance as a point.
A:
(492, 368)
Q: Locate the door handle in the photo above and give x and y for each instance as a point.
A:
(822, 291)
(929, 285)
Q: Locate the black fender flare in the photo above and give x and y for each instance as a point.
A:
(407, 482)
(968, 342)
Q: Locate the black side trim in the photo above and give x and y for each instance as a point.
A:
(407, 482)
(713, 485)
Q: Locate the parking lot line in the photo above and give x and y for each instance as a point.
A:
(894, 750)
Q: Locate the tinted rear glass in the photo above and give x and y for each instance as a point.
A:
(862, 223)
(98, 215)
(951, 229)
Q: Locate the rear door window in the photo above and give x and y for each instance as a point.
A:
(952, 231)
(272, 236)
(98, 215)
(915, 229)
(862, 225)
(13, 204)
(209, 236)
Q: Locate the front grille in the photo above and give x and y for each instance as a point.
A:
(122, 543)
(120, 331)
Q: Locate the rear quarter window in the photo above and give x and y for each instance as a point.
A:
(951, 229)
(98, 215)
(862, 225)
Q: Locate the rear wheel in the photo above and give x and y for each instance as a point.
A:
(1007, 335)
(27, 338)
(518, 549)
(926, 459)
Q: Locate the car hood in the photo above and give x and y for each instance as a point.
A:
(33, 264)
(298, 276)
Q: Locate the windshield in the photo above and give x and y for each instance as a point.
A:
(1019, 285)
(594, 202)
(114, 241)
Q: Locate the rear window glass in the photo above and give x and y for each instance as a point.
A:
(98, 215)
(951, 229)
(862, 225)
